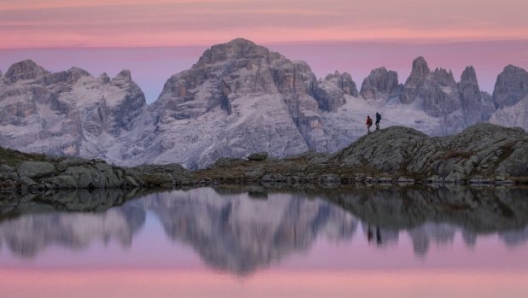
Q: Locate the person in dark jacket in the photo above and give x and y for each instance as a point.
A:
(378, 119)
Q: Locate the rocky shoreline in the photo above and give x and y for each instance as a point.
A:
(481, 154)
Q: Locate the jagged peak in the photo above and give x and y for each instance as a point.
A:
(78, 71)
(420, 67)
(337, 74)
(124, 74)
(469, 75)
(241, 40)
(235, 49)
(25, 70)
(104, 78)
(378, 70)
(510, 68)
(511, 72)
(123, 78)
(511, 86)
(442, 71)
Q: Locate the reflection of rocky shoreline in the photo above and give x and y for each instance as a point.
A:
(238, 233)
(435, 215)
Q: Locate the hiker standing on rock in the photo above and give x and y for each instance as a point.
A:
(369, 123)
(378, 119)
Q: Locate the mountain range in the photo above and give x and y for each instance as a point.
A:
(239, 98)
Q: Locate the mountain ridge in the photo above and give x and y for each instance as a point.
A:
(238, 98)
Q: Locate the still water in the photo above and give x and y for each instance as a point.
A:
(368, 242)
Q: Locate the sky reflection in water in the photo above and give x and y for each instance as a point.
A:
(207, 243)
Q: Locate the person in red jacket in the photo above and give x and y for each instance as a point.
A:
(369, 123)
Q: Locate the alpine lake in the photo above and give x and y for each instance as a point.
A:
(359, 241)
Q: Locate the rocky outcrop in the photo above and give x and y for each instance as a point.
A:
(483, 153)
(70, 112)
(419, 72)
(380, 84)
(456, 105)
(27, 173)
(24, 70)
(330, 92)
(513, 116)
(435, 91)
(477, 106)
(511, 87)
(511, 98)
(258, 156)
(434, 215)
(238, 99)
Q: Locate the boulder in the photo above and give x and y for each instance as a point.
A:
(35, 169)
(259, 156)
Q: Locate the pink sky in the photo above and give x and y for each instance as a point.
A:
(145, 23)
(158, 38)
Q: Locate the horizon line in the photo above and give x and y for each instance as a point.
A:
(402, 41)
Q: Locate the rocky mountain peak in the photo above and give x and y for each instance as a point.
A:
(76, 73)
(443, 77)
(69, 77)
(469, 75)
(236, 49)
(344, 82)
(420, 67)
(329, 93)
(436, 91)
(380, 84)
(476, 105)
(25, 70)
(511, 86)
(104, 78)
(122, 78)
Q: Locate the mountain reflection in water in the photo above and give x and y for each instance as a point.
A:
(241, 232)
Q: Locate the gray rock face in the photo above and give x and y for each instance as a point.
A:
(35, 169)
(380, 84)
(484, 148)
(511, 87)
(436, 91)
(69, 112)
(239, 98)
(457, 105)
(24, 70)
(513, 116)
(258, 156)
(435, 215)
(477, 106)
(330, 92)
